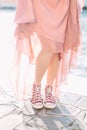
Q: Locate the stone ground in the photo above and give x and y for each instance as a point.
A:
(71, 110)
(70, 114)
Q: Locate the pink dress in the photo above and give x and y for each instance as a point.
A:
(52, 25)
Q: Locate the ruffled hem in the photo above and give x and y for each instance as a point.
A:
(24, 59)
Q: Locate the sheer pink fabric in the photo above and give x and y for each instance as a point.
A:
(50, 25)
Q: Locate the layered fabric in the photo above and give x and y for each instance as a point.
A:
(50, 25)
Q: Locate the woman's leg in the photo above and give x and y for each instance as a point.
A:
(42, 63)
(50, 101)
(52, 69)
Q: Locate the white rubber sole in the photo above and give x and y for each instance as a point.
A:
(49, 106)
(37, 106)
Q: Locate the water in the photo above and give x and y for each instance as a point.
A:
(81, 70)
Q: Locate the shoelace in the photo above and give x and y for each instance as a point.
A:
(36, 94)
(49, 97)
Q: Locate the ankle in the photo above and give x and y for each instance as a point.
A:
(48, 87)
(36, 84)
(49, 84)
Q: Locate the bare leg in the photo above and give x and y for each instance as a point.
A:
(42, 63)
(50, 101)
(52, 69)
(45, 60)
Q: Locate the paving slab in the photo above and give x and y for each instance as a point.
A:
(69, 98)
(82, 103)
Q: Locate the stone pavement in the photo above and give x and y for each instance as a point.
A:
(70, 114)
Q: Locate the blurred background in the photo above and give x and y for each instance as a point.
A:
(77, 77)
(7, 2)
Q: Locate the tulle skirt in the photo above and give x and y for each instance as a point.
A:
(52, 26)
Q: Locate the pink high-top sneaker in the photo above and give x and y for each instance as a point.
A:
(36, 100)
(50, 101)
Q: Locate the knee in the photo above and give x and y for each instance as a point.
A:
(56, 56)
